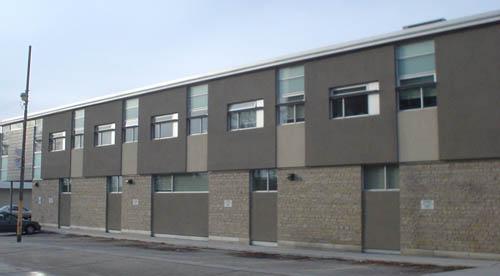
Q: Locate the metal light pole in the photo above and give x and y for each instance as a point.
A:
(24, 98)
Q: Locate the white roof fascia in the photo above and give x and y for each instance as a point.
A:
(404, 34)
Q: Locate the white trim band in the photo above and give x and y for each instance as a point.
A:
(193, 238)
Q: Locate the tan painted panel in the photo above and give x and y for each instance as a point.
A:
(77, 163)
(129, 159)
(418, 135)
(197, 153)
(291, 145)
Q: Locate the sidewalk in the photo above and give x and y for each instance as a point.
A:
(480, 267)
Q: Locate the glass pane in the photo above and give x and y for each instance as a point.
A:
(413, 81)
(78, 141)
(273, 180)
(132, 103)
(409, 99)
(163, 183)
(337, 108)
(132, 113)
(233, 120)
(357, 105)
(38, 146)
(157, 131)
(291, 86)
(114, 184)
(374, 177)
(204, 125)
(5, 162)
(415, 49)
(191, 182)
(38, 160)
(286, 114)
(392, 177)
(198, 102)
(416, 65)
(243, 106)
(198, 90)
(248, 119)
(59, 143)
(106, 138)
(299, 112)
(3, 175)
(195, 126)
(259, 180)
(430, 98)
(130, 134)
(37, 173)
(166, 130)
(79, 123)
(291, 72)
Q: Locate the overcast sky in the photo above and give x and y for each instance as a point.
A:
(86, 49)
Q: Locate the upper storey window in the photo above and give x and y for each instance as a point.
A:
(290, 95)
(355, 100)
(131, 121)
(416, 75)
(165, 126)
(198, 109)
(78, 128)
(57, 141)
(105, 135)
(246, 115)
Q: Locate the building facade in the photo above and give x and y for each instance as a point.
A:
(389, 143)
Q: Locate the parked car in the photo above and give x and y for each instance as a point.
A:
(15, 209)
(8, 223)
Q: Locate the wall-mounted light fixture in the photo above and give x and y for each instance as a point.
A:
(130, 181)
(291, 177)
(37, 184)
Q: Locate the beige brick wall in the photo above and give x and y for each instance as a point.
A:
(136, 217)
(466, 214)
(233, 222)
(88, 202)
(47, 210)
(323, 206)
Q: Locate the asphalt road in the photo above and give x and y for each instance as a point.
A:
(56, 254)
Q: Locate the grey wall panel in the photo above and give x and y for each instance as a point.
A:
(264, 217)
(166, 155)
(418, 135)
(106, 160)
(381, 221)
(114, 215)
(248, 148)
(362, 140)
(77, 163)
(129, 158)
(56, 164)
(468, 70)
(197, 152)
(181, 214)
(65, 211)
(291, 145)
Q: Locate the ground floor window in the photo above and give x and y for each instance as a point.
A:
(115, 184)
(264, 180)
(65, 185)
(190, 182)
(381, 177)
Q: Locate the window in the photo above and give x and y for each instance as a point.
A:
(131, 121)
(381, 177)
(4, 169)
(57, 141)
(78, 128)
(105, 135)
(355, 100)
(65, 185)
(290, 95)
(192, 182)
(37, 165)
(264, 180)
(165, 126)
(198, 109)
(416, 75)
(115, 184)
(246, 115)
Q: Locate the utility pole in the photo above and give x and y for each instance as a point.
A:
(24, 98)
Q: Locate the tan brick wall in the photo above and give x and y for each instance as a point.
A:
(47, 211)
(466, 214)
(322, 206)
(232, 221)
(88, 202)
(136, 217)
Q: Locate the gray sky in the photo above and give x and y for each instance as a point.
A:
(86, 49)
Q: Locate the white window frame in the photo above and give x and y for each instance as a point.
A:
(172, 118)
(131, 123)
(290, 95)
(237, 108)
(78, 132)
(100, 130)
(385, 181)
(370, 89)
(57, 136)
